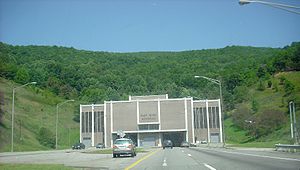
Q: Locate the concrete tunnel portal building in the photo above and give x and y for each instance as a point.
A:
(148, 120)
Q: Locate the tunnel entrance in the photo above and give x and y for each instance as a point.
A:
(175, 137)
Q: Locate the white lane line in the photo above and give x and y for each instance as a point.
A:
(262, 156)
(182, 151)
(189, 154)
(209, 167)
(165, 162)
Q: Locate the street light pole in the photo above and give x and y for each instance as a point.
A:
(272, 4)
(56, 124)
(218, 82)
(13, 113)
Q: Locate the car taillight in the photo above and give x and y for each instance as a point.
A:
(115, 147)
(130, 146)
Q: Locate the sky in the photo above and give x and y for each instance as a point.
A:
(146, 25)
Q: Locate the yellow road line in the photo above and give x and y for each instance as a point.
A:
(140, 160)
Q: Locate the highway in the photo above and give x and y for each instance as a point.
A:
(200, 158)
(211, 159)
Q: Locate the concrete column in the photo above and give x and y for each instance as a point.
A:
(93, 125)
(193, 126)
(160, 139)
(158, 112)
(80, 114)
(207, 119)
(138, 139)
(186, 121)
(104, 117)
(220, 120)
(111, 124)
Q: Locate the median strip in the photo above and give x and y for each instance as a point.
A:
(140, 160)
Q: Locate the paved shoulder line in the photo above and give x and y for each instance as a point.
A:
(263, 156)
(140, 160)
(209, 167)
(254, 155)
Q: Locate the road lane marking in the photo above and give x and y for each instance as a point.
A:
(165, 162)
(140, 160)
(209, 167)
(262, 156)
(189, 154)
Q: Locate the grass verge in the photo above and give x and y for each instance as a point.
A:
(33, 167)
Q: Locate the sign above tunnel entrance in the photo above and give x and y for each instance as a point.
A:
(148, 117)
(148, 112)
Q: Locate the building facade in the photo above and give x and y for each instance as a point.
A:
(148, 120)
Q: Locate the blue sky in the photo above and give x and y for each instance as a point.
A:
(146, 25)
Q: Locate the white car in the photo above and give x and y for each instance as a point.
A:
(123, 146)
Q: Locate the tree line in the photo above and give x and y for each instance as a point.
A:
(93, 77)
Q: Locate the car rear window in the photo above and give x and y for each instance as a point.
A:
(121, 142)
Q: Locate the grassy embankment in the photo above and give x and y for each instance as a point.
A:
(35, 108)
(270, 98)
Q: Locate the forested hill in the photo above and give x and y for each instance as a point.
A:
(257, 83)
(97, 76)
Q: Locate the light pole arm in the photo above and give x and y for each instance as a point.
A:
(210, 79)
(59, 104)
(15, 88)
(243, 2)
(272, 4)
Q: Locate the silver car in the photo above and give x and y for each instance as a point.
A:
(123, 146)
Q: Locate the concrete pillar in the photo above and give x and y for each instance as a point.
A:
(138, 140)
(207, 119)
(80, 114)
(93, 125)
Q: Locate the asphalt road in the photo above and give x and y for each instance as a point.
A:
(211, 159)
(176, 158)
(77, 159)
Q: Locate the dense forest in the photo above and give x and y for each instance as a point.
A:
(92, 77)
(98, 76)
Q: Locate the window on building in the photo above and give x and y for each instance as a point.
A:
(86, 122)
(205, 117)
(218, 117)
(148, 127)
(90, 122)
(200, 121)
(102, 121)
(82, 122)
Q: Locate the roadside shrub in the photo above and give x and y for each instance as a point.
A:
(288, 87)
(270, 84)
(241, 115)
(261, 86)
(268, 121)
(46, 137)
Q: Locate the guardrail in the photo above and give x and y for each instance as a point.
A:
(287, 148)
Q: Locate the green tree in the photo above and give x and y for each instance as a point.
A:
(261, 85)
(241, 115)
(22, 76)
(46, 137)
(288, 87)
(268, 121)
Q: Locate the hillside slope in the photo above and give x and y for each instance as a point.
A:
(34, 109)
(272, 98)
